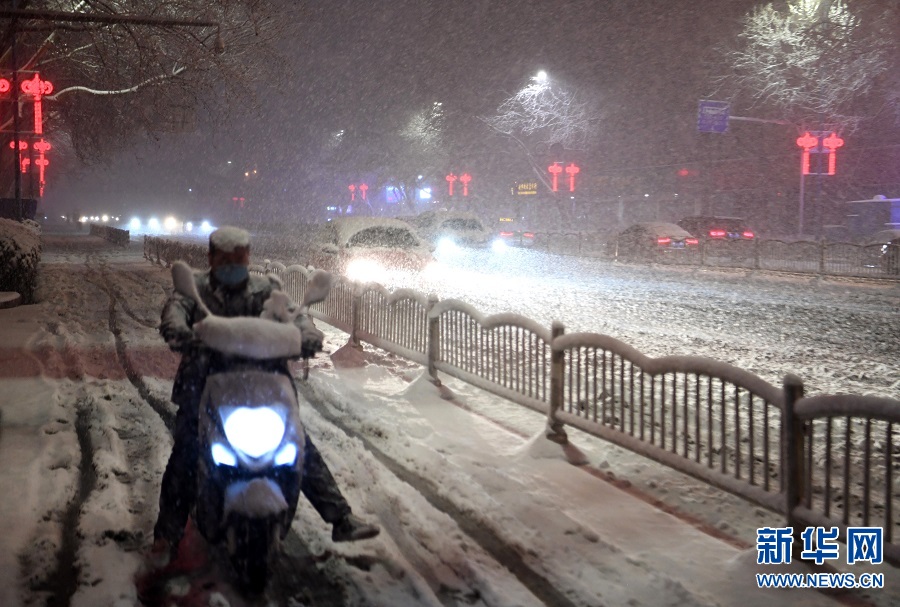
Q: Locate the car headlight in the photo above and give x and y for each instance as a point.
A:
(254, 431)
(365, 270)
(446, 245)
(499, 245)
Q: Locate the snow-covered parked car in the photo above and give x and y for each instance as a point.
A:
(363, 248)
(452, 228)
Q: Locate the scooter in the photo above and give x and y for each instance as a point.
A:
(250, 435)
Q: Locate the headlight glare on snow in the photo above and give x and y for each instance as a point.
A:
(446, 245)
(365, 270)
(254, 431)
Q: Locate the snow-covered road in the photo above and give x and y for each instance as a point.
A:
(477, 508)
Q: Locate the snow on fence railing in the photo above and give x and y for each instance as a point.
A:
(822, 461)
(506, 354)
(111, 234)
(842, 463)
(165, 252)
(703, 417)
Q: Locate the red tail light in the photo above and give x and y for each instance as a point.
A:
(528, 234)
(748, 234)
(717, 233)
(691, 241)
(663, 240)
(505, 234)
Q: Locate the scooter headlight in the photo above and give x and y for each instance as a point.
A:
(287, 455)
(254, 431)
(222, 455)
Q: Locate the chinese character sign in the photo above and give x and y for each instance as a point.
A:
(820, 544)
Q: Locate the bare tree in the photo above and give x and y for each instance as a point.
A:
(542, 115)
(114, 80)
(817, 62)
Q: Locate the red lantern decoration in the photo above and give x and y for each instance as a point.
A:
(352, 189)
(572, 170)
(807, 142)
(832, 143)
(37, 88)
(465, 178)
(362, 190)
(555, 170)
(451, 178)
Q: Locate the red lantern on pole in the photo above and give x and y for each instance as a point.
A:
(465, 178)
(362, 190)
(42, 147)
(555, 170)
(832, 143)
(37, 88)
(451, 178)
(572, 170)
(352, 189)
(807, 142)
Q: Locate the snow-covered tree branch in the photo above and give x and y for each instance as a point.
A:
(815, 62)
(544, 114)
(114, 79)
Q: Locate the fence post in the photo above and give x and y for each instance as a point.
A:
(555, 430)
(434, 337)
(792, 453)
(821, 256)
(355, 302)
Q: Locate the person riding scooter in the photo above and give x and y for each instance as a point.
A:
(228, 289)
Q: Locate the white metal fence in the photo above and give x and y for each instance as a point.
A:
(828, 460)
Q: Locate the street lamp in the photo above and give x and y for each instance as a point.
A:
(541, 77)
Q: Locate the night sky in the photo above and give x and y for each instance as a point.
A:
(350, 63)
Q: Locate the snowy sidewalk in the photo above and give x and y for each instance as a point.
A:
(584, 532)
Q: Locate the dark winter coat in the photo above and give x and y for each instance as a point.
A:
(180, 313)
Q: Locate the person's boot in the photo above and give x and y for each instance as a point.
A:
(351, 528)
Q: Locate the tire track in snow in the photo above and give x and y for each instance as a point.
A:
(160, 406)
(63, 582)
(296, 576)
(485, 537)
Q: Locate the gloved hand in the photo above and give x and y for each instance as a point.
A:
(182, 340)
(312, 337)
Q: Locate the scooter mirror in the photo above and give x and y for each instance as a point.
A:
(183, 281)
(317, 287)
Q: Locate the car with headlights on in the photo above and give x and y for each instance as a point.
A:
(882, 250)
(448, 229)
(652, 241)
(365, 248)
